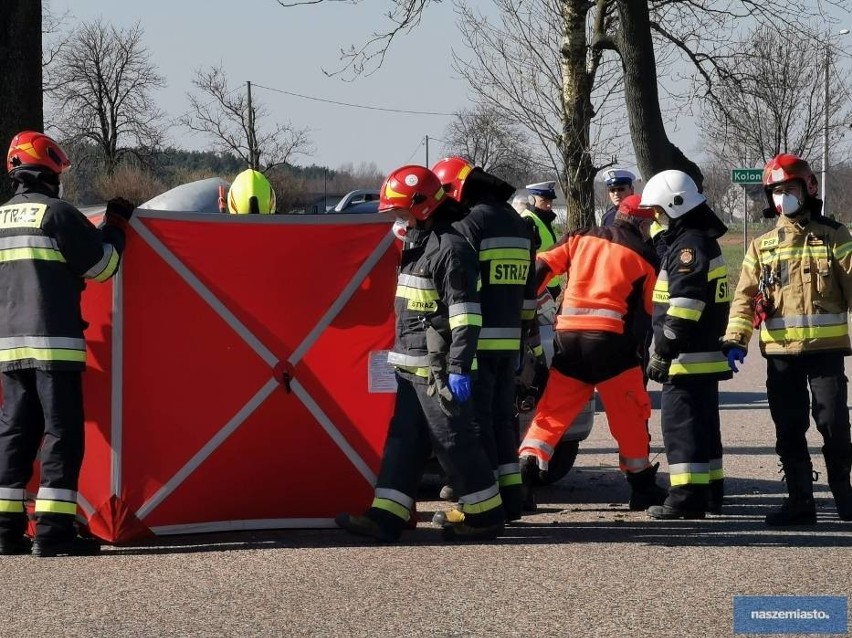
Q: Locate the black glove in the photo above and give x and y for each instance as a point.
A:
(119, 208)
(658, 368)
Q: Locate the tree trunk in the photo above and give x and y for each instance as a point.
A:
(654, 151)
(20, 75)
(578, 181)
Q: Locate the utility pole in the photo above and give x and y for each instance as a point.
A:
(427, 151)
(254, 160)
(826, 96)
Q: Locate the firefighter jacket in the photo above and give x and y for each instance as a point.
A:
(506, 254)
(803, 271)
(47, 249)
(544, 237)
(692, 298)
(596, 298)
(437, 286)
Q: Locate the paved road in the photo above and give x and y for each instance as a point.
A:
(583, 566)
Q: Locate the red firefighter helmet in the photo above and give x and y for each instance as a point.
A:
(31, 148)
(630, 206)
(414, 188)
(453, 171)
(785, 167)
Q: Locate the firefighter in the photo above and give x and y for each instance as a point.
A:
(251, 193)
(619, 184)
(796, 287)
(49, 249)
(438, 321)
(691, 302)
(508, 297)
(596, 347)
(539, 214)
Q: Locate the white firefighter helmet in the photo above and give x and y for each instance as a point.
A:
(673, 191)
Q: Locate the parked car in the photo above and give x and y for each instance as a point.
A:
(358, 201)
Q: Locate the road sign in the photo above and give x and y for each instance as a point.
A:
(747, 175)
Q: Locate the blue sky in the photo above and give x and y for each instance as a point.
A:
(288, 48)
(261, 41)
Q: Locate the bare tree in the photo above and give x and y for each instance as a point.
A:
(486, 139)
(231, 118)
(20, 87)
(102, 86)
(643, 34)
(774, 102)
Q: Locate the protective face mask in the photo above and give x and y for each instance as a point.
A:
(400, 229)
(786, 204)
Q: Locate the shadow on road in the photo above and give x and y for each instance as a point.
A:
(595, 498)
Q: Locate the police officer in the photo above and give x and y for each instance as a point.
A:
(438, 319)
(539, 214)
(691, 302)
(49, 248)
(796, 287)
(596, 347)
(619, 184)
(508, 297)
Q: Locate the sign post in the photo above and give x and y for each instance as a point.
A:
(745, 176)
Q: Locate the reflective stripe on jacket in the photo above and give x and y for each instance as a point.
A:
(691, 302)
(505, 249)
(807, 274)
(546, 239)
(437, 286)
(597, 298)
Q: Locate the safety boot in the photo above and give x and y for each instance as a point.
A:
(838, 481)
(668, 513)
(529, 472)
(644, 489)
(371, 525)
(15, 546)
(715, 496)
(77, 546)
(447, 493)
(455, 526)
(799, 507)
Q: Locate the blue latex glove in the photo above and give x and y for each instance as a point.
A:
(735, 355)
(459, 386)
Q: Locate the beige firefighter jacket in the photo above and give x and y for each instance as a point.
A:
(804, 272)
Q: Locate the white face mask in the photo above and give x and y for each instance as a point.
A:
(400, 229)
(786, 204)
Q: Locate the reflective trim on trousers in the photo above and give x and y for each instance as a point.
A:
(482, 506)
(392, 507)
(507, 480)
(508, 468)
(633, 465)
(57, 494)
(13, 493)
(395, 495)
(716, 471)
(689, 474)
(55, 507)
(481, 496)
(11, 506)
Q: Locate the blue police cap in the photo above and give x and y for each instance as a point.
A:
(547, 190)
(618, 177)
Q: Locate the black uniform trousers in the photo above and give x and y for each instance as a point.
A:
(41, 411)
(693, 439)
(419, 426)
(787, 381)
(494, 421)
